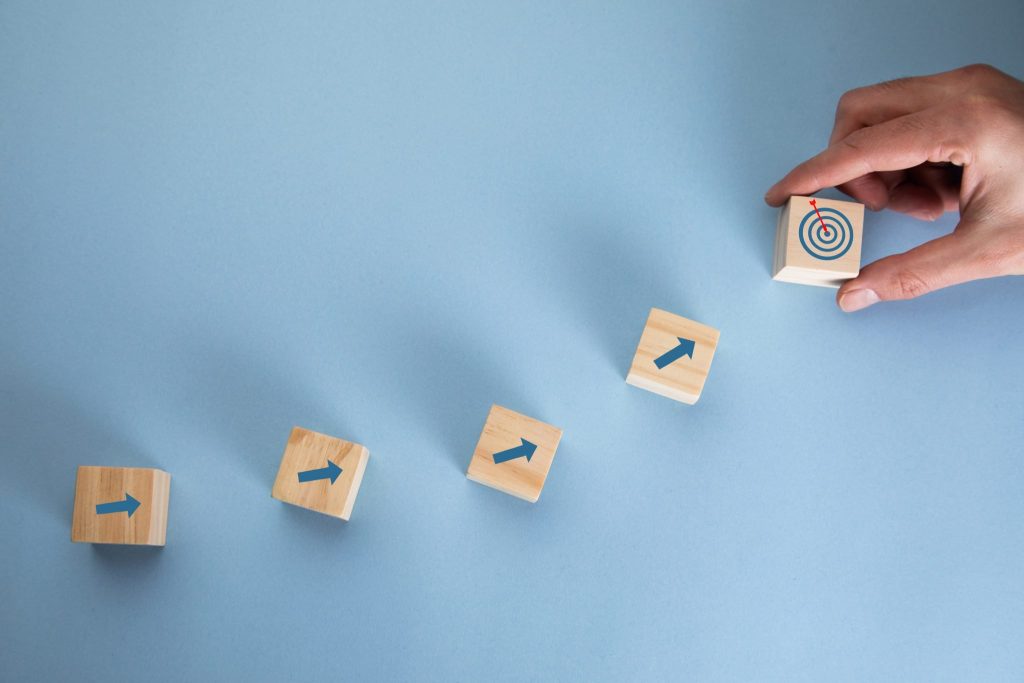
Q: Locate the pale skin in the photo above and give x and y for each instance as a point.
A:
(923, 146)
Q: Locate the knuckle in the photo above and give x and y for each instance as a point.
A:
(856, 145)
(909, 285)
(814, 178)
(894, 84)
(980, 71)
(911, 124)
(852, 142)
(849, 102)
(857, 100)
(855, 141)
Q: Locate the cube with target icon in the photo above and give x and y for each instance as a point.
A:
(817, 241)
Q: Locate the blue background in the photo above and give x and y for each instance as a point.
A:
(374, 220)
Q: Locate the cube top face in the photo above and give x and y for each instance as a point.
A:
(124, 505)
(673, 357)
(818, 241)
(320, 473)
(514, 453)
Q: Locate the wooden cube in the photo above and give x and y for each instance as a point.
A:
(126, 505)
(320, 473)
(514, 454)
(673, 357)
(817, 241)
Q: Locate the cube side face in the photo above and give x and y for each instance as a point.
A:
(511, 472)
(781, 233)
(809, 253)
(121, 505)
(661, 389)
(161, 503)
(304, 477)
(357, 481)
(680, 376)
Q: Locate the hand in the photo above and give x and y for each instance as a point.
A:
(924, 146)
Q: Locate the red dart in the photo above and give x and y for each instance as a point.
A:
(814, 203)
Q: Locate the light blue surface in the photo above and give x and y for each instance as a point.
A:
(374, 220)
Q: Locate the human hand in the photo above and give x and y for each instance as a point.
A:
(924, 146)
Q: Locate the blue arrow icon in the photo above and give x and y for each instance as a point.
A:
(129, 505)
(685, 348)
(523, 451)
(330, 472)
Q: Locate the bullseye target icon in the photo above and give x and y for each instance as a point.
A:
(826, 234)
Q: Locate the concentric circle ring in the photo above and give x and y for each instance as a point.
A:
(830, 245)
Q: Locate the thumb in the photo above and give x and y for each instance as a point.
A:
(945, 261)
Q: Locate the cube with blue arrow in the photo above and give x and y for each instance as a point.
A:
(122, 505)
(673, 357)
(514, 454)
(320, 473)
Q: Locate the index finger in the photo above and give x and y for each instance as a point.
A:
(873, 104)
(897, 144)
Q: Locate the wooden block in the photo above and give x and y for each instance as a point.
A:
(514, 454)
(126, 505)
(817, 241)
(321, 473)
(673, 357)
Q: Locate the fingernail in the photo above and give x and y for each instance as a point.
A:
(857, 299)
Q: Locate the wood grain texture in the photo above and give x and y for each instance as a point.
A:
(505, 429)
(147, 525)
(792, 263)
(682, 380)
(308, 450)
